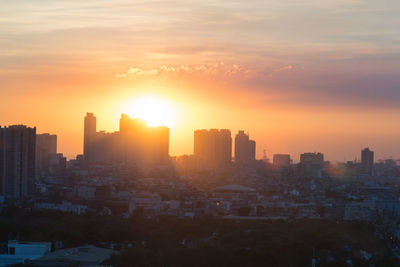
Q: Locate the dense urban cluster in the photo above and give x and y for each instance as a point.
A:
(130, 174)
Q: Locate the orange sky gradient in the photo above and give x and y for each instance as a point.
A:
(310, 76)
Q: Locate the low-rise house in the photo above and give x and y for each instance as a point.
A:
(79, 256)
(19, 252)
(64, 206)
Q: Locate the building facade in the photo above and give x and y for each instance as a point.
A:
(281, 160)
(89, 136)
(245, 149)
(311, 164)
(17, 161)
(135, 143)
(367, 161)
(46, 146)
(213, 148)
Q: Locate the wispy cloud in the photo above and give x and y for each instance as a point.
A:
(326, 51)
(219, 70)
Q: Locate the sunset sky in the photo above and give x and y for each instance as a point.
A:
(299, 76)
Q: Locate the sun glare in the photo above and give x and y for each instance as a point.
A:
(155, 111)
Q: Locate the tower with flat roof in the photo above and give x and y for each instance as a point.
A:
(367, 160)
(17, 161)
(213, 148)
(245, 149)
(89, 137)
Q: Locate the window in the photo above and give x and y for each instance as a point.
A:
(11, 251)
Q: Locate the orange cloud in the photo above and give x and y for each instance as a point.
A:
(220, 70)
(282, 69)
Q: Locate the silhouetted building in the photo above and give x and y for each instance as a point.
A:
(46, 146)
(186, 163)
(135, 143)
(107, 147)
(224, 146)
(201, 145)
(281, 160)
(367, 160)
(142, 144)
(213, 147)
(311, 157)
(245, 149)
(159, 144)
(89, 137)
(57, 164)
(17, 161)
(311, 164)
(133, 137)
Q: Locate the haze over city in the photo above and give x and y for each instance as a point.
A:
(304, 76)
(200, 133)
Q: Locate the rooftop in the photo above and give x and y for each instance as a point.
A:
(83, 254)
(233, 188)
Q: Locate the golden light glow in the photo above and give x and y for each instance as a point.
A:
(154, 110)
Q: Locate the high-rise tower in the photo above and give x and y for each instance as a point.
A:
(17, 161)
(213, 148)
(367, 160)
(245, 149)
(46, 146)
(89, 137)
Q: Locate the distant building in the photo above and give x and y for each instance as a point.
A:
(143, 144)
(89, 137)
(57, 164)
(46, 146)
(64, 206)
(159, 144)
(234, 192)
(311, 164)
(133, 137)
(186, 163)
(311, 158)
(281, 160)
(245, 149)
(17, 161)
(213, 148)
(135, 143)
(107, 148)
(367, 161)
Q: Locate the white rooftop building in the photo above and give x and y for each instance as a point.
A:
(19, 252)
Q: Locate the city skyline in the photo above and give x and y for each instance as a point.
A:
(200, 133)
(134, 143)
(305, 76)
(107, 140)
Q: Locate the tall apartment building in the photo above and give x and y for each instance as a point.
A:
(135, 143)
(17, 161)
(46, 147)
(89, 137)
(281, 160)
(159, 144)
(367, 161)
(213, 148)
(312, 164)
(245, 149)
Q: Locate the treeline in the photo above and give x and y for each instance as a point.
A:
(170, 241)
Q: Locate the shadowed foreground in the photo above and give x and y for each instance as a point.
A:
(170, 241)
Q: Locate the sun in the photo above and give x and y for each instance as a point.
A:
(154, 110)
